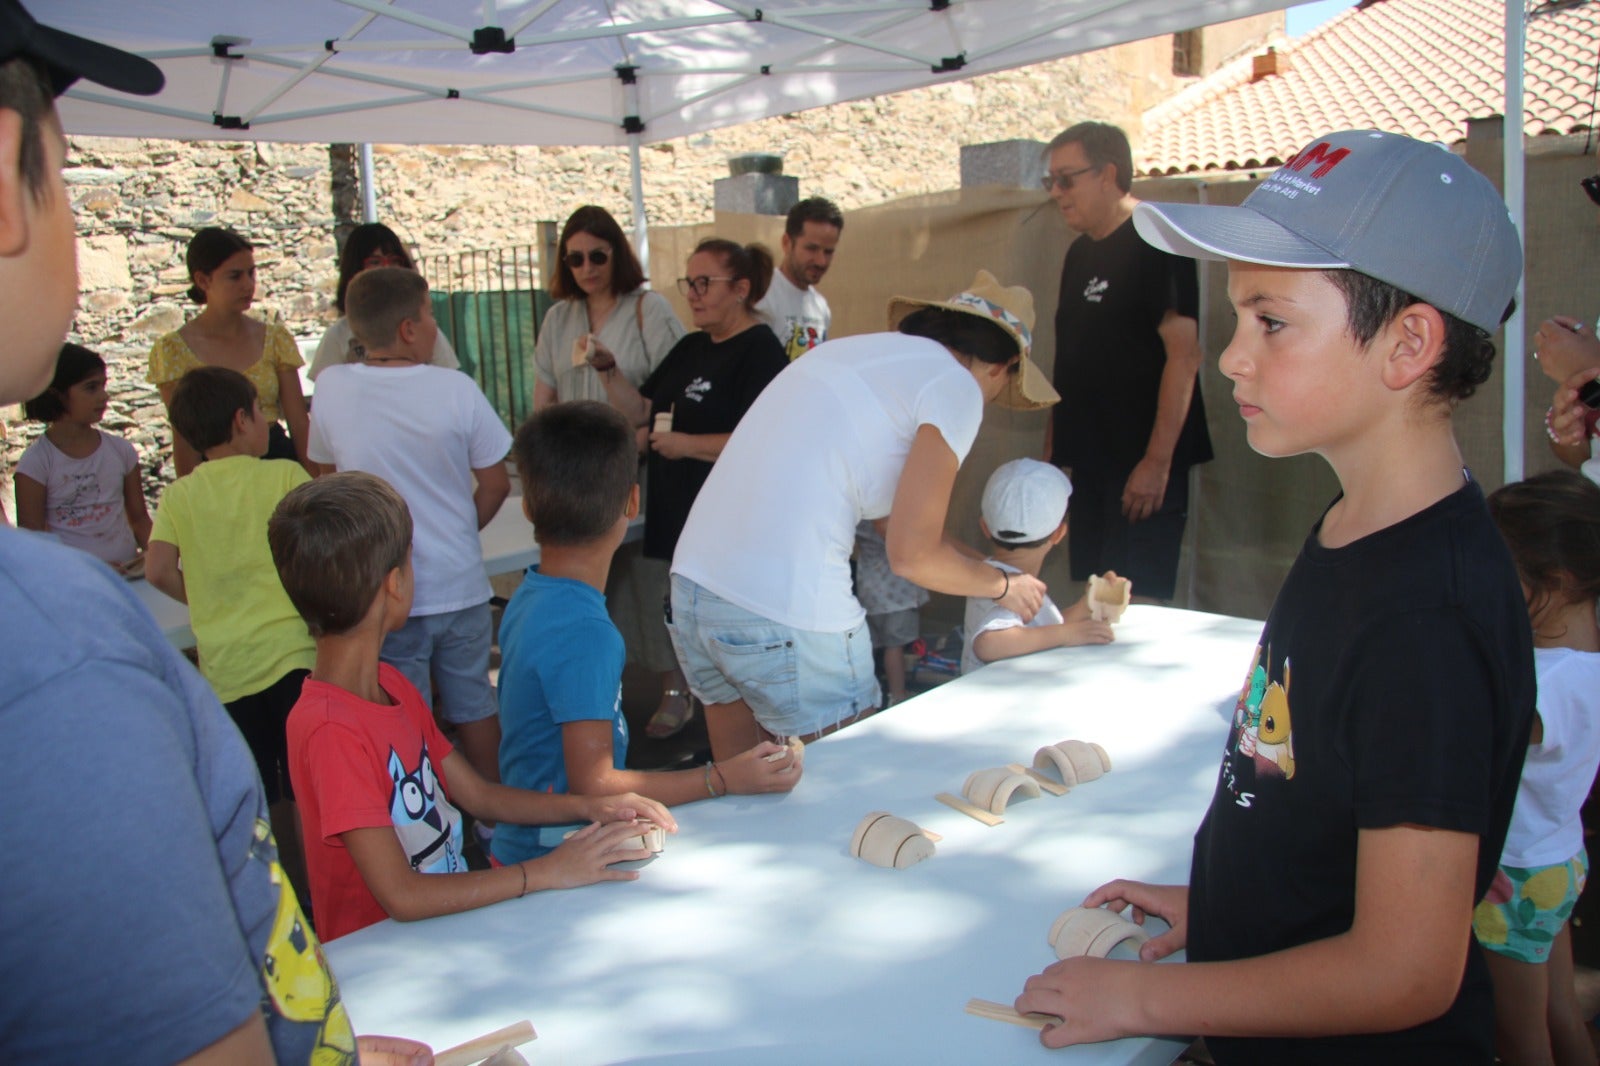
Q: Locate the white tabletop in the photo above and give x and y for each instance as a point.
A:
(507, 541)
(755, 934)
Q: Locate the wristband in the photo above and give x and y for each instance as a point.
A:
(724, 780)
(1549, 430)
(524, 868)
(1006, 574)
(709, 790)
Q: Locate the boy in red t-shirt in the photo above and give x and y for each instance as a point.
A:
(376, 779)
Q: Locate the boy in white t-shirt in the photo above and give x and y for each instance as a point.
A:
(1024, 512)
(430, 433)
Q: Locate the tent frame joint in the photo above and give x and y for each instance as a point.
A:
(487, 39)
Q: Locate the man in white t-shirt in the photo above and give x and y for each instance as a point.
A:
(798, 312)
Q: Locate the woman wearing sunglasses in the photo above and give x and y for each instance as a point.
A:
(691, 403)
(369, 245)
(604, 317)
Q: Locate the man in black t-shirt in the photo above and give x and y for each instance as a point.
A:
(1130, 423)
(1375, 747)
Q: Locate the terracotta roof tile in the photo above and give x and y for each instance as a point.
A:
(1419, 67)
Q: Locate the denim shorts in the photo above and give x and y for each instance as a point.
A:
(1525, 908)
(446, 656)
(797, 682)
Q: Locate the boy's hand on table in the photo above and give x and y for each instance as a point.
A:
(1086, 631)
(1089, 995)
(392, 1051)
(1170, 903)
(750, 772)
(628, 807)
(586, 857)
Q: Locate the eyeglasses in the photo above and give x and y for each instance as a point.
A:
(597, 257)
(698, 286)
(382, 259)
(1063, 181)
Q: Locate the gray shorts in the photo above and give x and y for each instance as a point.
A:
(450, 651)
(895, 629)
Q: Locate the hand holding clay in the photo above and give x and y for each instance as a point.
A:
(626, 808)
(600, 356)
(1170, 903)
(767, 767)
(1024, 597)
(586, 857)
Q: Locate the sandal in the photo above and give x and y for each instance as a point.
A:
(675, 712)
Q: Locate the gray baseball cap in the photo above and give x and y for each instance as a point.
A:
(1403, 211)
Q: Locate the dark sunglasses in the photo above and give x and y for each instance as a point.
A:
(1064, 179)
(1591, 188)
(597, 257)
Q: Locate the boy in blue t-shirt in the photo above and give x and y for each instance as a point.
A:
(1377, 741)
(561, 658)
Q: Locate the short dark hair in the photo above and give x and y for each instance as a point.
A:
(812, 209)
(1370, 305)
(26, 89)
(365, 239)
(378, 300)
(578, 462)
(743, 262)
(626, 273)
(204, 402)
(1551, 523)
(208, 249)
(1103, 144)
(334, 541)
(75, 363)
(971, 335)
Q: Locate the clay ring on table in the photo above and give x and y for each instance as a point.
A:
(890, 842)
(651, 838)
(994, 788)
(1093, 931)
(1074, 761)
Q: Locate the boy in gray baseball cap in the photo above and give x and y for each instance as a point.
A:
(1378, 736)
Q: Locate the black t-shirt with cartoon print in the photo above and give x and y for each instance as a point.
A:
(1393, 685)
(708, 387)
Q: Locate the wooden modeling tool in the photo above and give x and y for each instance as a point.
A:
(890, 842)
(1000, 1012)
(975, 813)
(482, 1047)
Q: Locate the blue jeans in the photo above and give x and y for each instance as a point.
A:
(449, 652)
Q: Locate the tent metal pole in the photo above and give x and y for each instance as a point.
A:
(1514, 379)
(641, 231)
(369, 190)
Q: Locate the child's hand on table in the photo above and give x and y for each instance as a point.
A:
(586, 857)
(626, 808)
(1086, 631)
(756, 771)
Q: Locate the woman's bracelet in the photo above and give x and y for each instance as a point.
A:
(709, 790)
(524, 868)
(1550, 430)
(1007, 575)
(724, 780)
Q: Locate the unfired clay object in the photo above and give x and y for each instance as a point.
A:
(796, 747)
(1109, 597)
(651, 838)
(992, 789)
(1074, 761)
(1092, 931)
(580, 349)
(663, 422)
(890, 842)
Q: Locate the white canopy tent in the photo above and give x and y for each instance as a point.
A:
(571, 72)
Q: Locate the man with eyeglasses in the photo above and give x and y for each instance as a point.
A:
(1130, 423)
(798, 312)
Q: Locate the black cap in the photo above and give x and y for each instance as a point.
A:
(68, 57)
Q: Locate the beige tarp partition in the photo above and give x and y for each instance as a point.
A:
(1249, 515)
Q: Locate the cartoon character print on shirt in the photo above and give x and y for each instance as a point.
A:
(76, 506)
(802, 338)
(696, 390)
(1095, 291)
(299, 987)
(428, 824)
(1261, 742)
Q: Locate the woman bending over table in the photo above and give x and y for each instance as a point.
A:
(604, 312)
(371, 244)
(868, 427)
(222, 280)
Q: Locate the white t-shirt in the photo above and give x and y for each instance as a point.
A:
(639, 332)
(820, 449)
(983, 615)
(1556, 776)
(424, 430)
(339, 346)
(800, 317)
(83, 502)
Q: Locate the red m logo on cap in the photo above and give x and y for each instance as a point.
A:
(1317, 153)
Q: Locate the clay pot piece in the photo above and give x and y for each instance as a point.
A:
(651, 838)
(992, 789)
(890, 842)
(1093, 931)
(663, 422)
(1074, 761)
(580, 349)
(1109, 597)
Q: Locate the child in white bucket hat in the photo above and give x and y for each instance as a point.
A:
(1024, 514)
(1377, 740)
